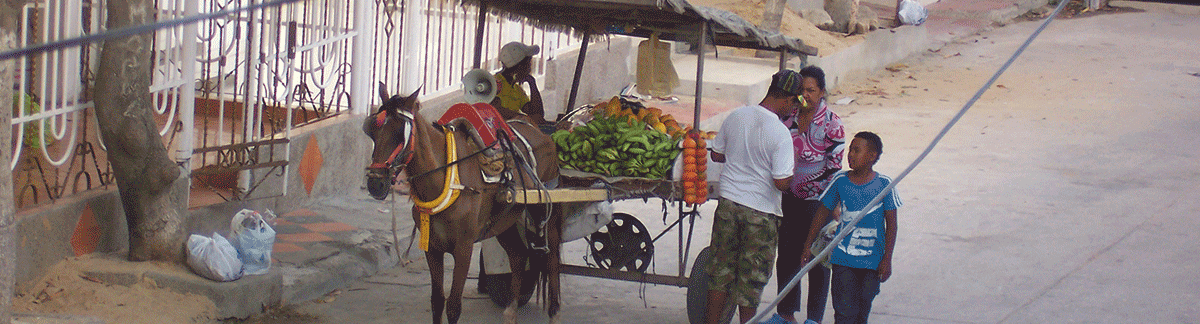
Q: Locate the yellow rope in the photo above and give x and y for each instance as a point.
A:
(449, 194)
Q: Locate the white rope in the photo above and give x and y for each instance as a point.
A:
(878, 198)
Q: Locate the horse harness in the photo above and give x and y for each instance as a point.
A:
(389, 169)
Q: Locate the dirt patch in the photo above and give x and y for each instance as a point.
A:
(67, 290)
(793, 25)
(1073, 9)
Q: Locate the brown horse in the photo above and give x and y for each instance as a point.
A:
(404, 140)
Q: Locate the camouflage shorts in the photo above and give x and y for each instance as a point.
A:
(743, 247)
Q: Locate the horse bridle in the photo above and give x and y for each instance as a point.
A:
(390, 169)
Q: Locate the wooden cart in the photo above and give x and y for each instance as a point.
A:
(673, 20)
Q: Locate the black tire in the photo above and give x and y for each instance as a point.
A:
(697, 293)
(498, 287)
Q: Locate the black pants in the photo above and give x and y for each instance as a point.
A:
(793, 232)
(853, 291)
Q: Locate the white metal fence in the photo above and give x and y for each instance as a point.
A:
(228, 89)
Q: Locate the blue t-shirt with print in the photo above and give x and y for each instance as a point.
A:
(863, 248)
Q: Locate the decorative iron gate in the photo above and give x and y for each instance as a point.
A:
(228, 91)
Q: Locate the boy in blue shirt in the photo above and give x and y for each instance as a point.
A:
(863, 259)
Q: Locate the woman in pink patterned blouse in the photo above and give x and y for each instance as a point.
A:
(818, 139)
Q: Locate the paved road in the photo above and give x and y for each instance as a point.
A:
(1065, 195)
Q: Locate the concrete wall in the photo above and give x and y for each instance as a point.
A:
(45, 234)
(876, 51)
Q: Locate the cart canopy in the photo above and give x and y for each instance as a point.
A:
(675, 20)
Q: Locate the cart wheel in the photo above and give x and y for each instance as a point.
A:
(624, 244)
(697, 293)
(498, 289)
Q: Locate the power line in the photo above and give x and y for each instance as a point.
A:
(133, 30)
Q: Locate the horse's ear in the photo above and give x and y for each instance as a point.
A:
(383, 95)
(413, 97)
(413, 106)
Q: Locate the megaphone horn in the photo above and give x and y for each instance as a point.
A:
(479, 86)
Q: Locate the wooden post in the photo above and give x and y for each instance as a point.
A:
(783, 57)
(702, 43)
(583, 48)
(479, 24)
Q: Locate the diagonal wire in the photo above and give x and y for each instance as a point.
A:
(133, 30)
(878, 198)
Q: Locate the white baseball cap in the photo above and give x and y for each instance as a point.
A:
(514, 52)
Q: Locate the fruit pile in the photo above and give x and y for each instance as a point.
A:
(695, 162)
(616, 145)
(631, 111)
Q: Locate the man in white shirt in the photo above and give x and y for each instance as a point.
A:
(757, 151)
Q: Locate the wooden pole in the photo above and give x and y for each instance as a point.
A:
(583, 48)
(479, 24)
(703, 43)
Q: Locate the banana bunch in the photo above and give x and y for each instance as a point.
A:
(616, 147)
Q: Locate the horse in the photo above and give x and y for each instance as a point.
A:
(405, 140)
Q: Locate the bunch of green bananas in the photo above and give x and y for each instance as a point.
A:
(616, 147)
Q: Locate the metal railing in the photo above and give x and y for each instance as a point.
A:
(228, 90)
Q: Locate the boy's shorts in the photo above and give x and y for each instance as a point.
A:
(743, 248)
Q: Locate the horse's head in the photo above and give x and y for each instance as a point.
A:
(391, 128)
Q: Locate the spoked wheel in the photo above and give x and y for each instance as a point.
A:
(697, 293)
(498, 287)
(624, 244)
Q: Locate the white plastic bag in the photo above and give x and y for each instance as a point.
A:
(825, 236)
(912, 13)
(213, 257)
(254, 239)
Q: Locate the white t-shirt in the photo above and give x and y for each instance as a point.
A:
(758, 150)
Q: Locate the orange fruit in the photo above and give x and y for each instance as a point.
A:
(689, 198)
(689, 185)
(689, 143)
(701, 154)
(688, 159)
(700, 142)
(689, 168)
(689, 152)
(689, 176)
(701, 195)
(689, 191)
(701, 167)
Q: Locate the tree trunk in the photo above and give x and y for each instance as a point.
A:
(772, 21)
(8, 225)
(146, 176)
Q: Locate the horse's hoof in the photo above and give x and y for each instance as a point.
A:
(510, 315)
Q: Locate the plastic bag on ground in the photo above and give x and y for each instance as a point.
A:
(912, 12)
(254, 238)
(213, 257)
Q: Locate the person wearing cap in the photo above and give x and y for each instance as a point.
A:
(511, 99)
(819, 141)
(757, 152)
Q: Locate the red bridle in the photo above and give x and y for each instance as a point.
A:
(405, 149)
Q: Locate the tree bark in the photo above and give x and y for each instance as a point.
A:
(772, 21)
(146, 176)
(8, 226)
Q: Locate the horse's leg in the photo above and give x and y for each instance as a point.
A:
(436, 276)
(553, 261)
(510, 239)
(462, 264)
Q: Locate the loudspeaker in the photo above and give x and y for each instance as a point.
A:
(479, 86)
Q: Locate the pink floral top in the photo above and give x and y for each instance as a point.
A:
(818, 151)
